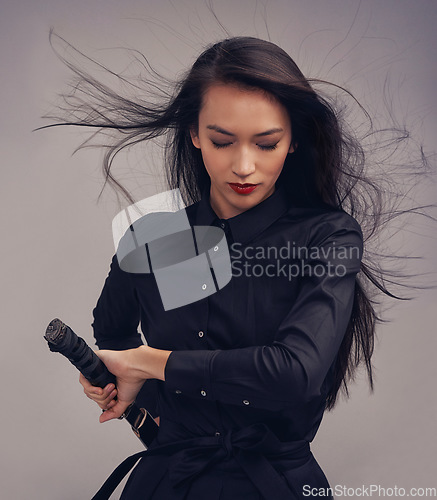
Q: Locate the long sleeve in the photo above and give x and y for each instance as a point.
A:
(291, 370)
(116, 319)
(117, 313)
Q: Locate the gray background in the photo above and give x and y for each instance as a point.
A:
(57, 243)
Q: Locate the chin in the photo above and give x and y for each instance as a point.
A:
(247, 203)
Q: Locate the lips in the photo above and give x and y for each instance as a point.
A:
(242, 188)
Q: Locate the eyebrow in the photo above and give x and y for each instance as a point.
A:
(261, 134)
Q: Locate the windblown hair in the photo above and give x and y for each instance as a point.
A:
(328, 165)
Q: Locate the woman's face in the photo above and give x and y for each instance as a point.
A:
(244, 137)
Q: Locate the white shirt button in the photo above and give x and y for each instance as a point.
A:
(177, 391)
(201, 334)
(215, 248)
(217, 433)
(222, 225)
(203, 393)
(204, 286)
(246, 402)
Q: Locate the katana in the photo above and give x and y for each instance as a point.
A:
(62, 339)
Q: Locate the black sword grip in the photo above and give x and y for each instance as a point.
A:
(62, 339)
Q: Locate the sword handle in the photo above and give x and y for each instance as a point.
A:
(62, 339)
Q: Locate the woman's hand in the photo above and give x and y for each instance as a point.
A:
(103, 397)
(129, 380)
(131, 367)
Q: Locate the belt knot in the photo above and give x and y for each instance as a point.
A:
(226, 442)
(191, 457)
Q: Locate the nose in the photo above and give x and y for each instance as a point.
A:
(244, 163)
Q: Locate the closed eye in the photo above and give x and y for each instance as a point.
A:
(269, 147)
(266, 147)
(219, 145)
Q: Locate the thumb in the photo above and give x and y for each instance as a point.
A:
(115, 412)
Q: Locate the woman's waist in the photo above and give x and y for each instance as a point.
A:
(188, 416)
(230, 442)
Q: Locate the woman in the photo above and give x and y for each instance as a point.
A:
(239, 380)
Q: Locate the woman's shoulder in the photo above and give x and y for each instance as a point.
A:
(322, 221)
(321, 212)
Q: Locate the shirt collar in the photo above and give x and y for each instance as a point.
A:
(247, 225)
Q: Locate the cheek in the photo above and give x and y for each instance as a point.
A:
(275, 164)
(215, 162)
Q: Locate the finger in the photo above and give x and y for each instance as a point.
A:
(90, 390)
(98, 392)
(85, 383)
(115, 412)
(95, 393)
(103, 393)
(108, 401)
(104, 398)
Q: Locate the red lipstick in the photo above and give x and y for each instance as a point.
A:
(242, 188)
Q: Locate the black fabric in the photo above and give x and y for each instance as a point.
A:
(259, 351)
(249, 446)
(117, 476)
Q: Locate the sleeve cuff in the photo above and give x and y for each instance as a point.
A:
(119, 344)
(188, 373)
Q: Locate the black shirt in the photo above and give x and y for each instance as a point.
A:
(261, 349)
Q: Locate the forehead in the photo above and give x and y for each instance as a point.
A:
(230, 103)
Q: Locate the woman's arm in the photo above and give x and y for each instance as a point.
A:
(117, 313)
(290, 371)
(132, 368)
(116, 319)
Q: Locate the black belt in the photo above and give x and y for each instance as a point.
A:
(249, 446)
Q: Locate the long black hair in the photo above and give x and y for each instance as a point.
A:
(328, 165)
